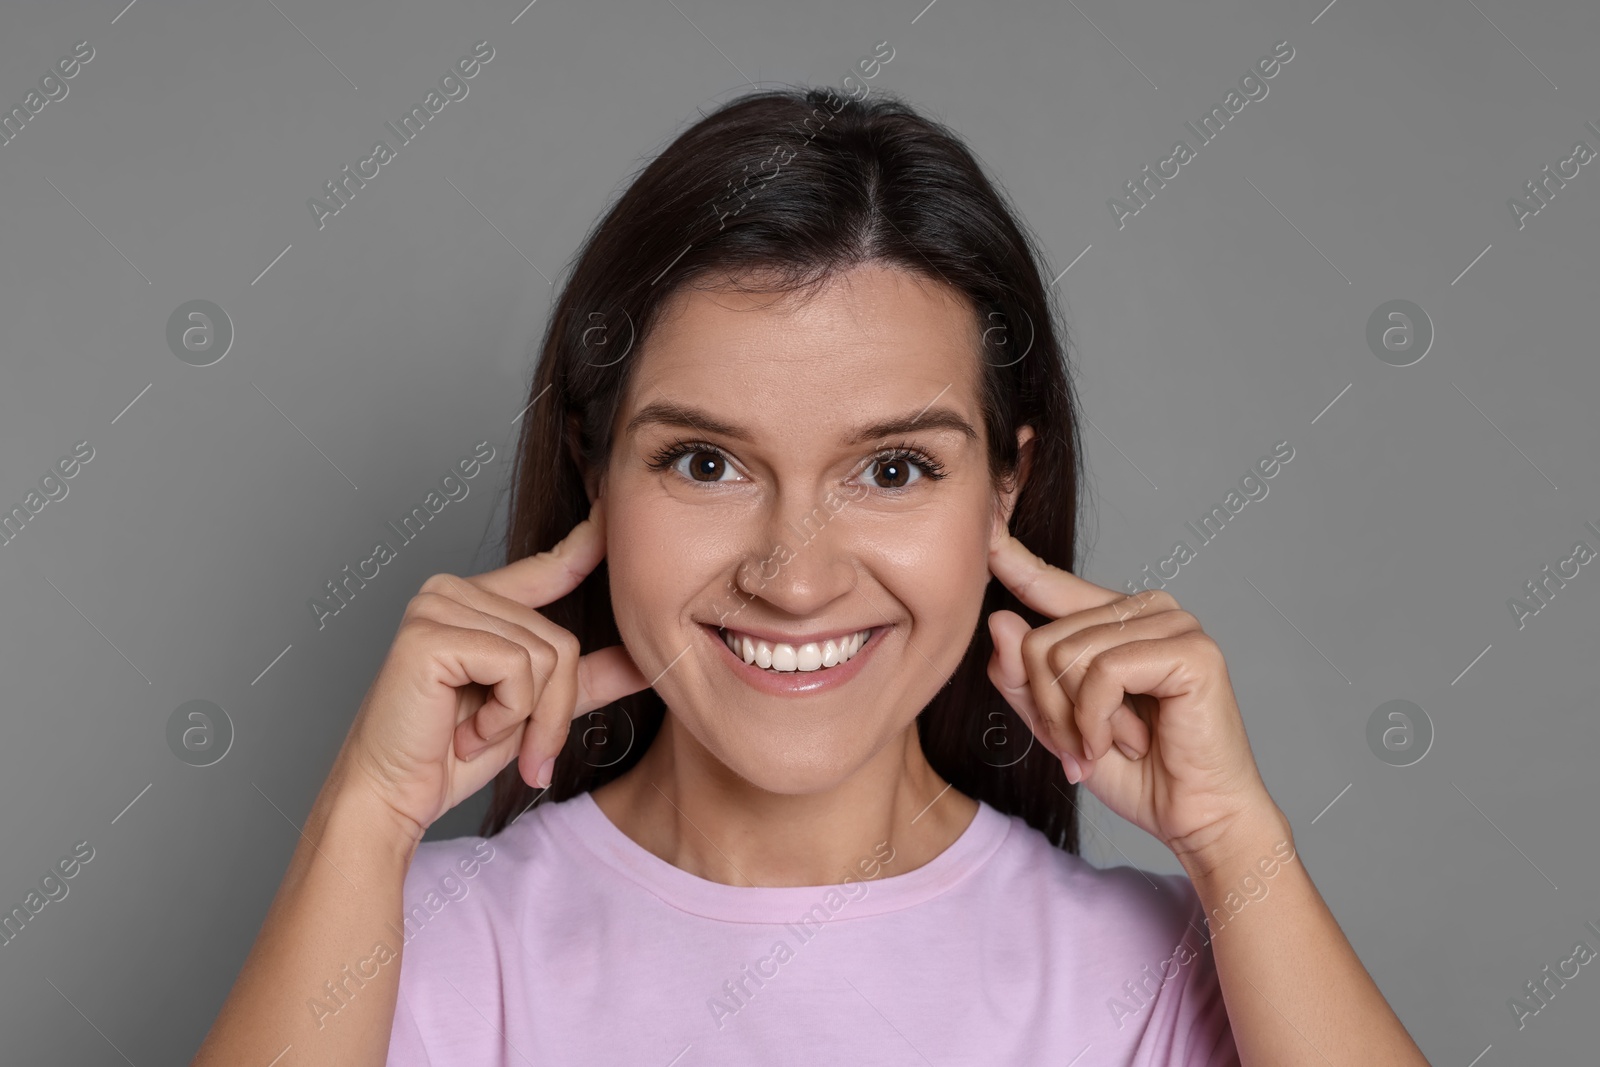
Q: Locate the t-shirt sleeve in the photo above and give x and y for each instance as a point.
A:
(1189, 1024)
(405, 1039)
(447, 935)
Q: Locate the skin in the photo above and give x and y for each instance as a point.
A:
(1131, 694)
(747, 788)
(791, 790)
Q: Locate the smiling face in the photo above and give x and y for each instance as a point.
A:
(808, 477)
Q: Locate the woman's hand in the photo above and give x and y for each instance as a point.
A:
(476, 677)
(1132, 696)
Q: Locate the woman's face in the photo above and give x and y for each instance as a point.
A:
(794, 473)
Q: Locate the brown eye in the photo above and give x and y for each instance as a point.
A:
(706, 466)
(694, 461)
(896, 471)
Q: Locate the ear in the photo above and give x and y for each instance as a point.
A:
(591, 484)
(1006, 501)
(575, 453)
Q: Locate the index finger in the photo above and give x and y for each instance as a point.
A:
(550, 575)
(1045, 588)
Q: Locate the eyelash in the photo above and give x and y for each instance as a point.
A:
(932, 469)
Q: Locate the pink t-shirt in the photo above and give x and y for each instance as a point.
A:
(560, 941)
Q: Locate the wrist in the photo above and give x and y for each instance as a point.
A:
(356, 811)
(1237, 844)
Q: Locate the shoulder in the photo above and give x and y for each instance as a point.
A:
(1123, 908)
(464, 857)
(1137, 942)
(474, 885)
(455, 868)
(446, 871)
(464, 901)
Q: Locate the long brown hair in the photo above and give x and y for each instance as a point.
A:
(794, 185)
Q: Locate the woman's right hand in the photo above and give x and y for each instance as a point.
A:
(477, 677)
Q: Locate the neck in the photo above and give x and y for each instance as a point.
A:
(681, 804)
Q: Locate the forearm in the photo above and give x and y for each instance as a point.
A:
(339, 900)
(1296, 992)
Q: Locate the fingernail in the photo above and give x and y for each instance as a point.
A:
(546, 769)
(1126, 751)
(1071, 766)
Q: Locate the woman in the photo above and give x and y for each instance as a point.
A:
(787, 688)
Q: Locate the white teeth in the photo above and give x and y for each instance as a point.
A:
(811, 656)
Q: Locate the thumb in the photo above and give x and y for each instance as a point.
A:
(1007, 629)
(605, 676)
(1009, 674)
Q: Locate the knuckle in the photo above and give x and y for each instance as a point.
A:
(1065, 655)
(440, 583)
(518, 653)
(1161, 600)
(514, 632)
(1104, 664)
(424, 604)
(1134, 603)
(566, 645)
(522, 667)
(542, 655)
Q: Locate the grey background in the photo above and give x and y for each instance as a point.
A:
(376, 352)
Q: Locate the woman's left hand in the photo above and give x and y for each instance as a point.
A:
(1113, 672)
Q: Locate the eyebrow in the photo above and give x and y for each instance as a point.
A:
(672, 413)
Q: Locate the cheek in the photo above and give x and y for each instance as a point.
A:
(638, 552)
(944, 546)
(935, 562)
(661, 555)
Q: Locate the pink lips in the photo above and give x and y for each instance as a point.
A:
(792, 683)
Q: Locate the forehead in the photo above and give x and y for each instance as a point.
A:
(868, 341)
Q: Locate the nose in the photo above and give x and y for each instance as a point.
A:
(805, 559)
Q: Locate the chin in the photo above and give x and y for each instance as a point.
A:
(789, 763)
